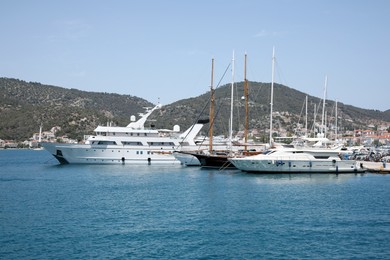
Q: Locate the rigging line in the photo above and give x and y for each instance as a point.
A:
(204, 107)
(237, 104)
(218, 101)
(300, 115)
(280, 73)
(255, 97)
(315, 115)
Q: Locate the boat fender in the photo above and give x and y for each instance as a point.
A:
(123, 160)
(310, 164)
(289, 164)
(149, 160)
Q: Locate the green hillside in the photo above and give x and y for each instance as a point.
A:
(25, 105)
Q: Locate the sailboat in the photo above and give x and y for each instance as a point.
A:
(38, 148)
(210, 158)
(219, 159)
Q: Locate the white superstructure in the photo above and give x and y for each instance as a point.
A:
(133, 144)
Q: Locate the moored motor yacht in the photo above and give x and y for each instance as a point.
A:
(291, 160)
(133, 144)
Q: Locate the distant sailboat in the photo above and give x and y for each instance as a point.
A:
(39, 139)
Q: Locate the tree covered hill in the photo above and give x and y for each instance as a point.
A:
(286, 99)
(25, 105)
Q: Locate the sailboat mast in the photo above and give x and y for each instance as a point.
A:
(246, 95)
(306, 119)
(272, 97)
(40, 133)
(323, 107)
(212, 104)
(326, 116)
(314, 119)
(231, 106)
(336, 139)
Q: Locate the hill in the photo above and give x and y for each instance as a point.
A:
(289, 102)
(25, 105)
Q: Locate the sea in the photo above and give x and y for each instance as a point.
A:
(52, 211)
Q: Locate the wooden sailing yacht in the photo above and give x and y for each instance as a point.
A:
(219, 159)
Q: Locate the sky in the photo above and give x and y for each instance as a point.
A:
(161, 50)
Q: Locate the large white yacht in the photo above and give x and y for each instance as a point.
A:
(133, 144)
(291, 160)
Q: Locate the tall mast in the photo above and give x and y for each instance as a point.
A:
(212, 103)
(246, 95)
(272, 97)
(323, 107)
(326, 123)
(306, 119)
(231, 106)
(40, 133)
(336, 123)
(314, 120)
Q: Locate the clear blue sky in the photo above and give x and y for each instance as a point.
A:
(163, 49)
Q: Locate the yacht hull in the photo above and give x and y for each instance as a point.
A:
(296, 166)
(87, 154)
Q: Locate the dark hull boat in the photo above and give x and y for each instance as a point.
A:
(214, 161)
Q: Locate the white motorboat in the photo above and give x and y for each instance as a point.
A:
(133, 144)
(291, 160)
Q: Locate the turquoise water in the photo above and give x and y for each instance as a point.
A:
(49, 211)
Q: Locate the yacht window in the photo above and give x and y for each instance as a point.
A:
(161, 143)
(107, 143)
(132, 143)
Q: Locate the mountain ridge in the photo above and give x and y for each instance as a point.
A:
(25, 105)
